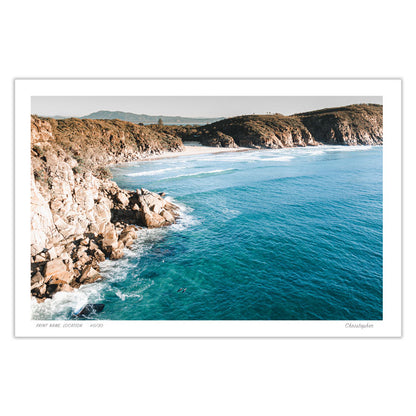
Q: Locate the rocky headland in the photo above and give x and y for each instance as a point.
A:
(360, 124)
(79, 217)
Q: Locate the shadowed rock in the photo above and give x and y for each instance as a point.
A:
(88, 310)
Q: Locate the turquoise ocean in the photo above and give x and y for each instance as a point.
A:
(288, 234)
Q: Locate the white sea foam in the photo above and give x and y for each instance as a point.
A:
(124, 296)
(347, 148)
(64, 303)
(233, 156)
(278, 159)
(152, 172)
(209, 172)
(185, 219)
(228, 213)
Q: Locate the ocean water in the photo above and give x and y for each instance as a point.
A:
(288, 234)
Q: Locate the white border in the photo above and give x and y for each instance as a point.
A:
(390, 89)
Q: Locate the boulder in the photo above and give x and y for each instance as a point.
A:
(150, 219)
(85, 242)
(110, 239)
(156, 204)
(128, 234)
(51, 253)
(82, 251)
(122, 198)
(39, 258)
(130, 228)
(109, 236)
(40, 291)
(89, 275)
(89, 309)
(168, 216)
(98, 255)
(65, 257)
(171, 207)
(128, 243)
(37, 281)
(80, 263)
(58, 285)
(69, 247)
(93, 246)
(117, 252)
(56, 269)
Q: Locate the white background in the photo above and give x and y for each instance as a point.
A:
(205, 377)
(389, 90)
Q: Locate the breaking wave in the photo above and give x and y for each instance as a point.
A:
(200, 174)
(151, 172)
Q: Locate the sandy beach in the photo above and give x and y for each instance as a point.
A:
(191, 150)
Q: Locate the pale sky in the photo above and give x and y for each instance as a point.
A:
(188, 106)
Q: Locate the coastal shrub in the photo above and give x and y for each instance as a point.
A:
(77, 169)
(38, 150)
(79, 159)
(38, 174)
(104, 172)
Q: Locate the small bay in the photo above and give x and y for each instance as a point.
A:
(288, 234)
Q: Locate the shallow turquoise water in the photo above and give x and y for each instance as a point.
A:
(268, 234)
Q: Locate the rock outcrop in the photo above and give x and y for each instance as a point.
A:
(78, 218)
(268, 131)
(351, 125)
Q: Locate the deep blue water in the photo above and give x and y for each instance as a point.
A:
(291, 234)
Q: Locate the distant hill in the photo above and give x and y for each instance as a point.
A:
(146, 119)
(358, 124)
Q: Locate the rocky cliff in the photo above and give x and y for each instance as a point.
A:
(78, 216)
(350, 125)
(96, 143)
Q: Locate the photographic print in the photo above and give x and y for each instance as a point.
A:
(215, 208)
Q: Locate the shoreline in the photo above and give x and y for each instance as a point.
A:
(189, 151)
(206, 150)
(120, 229)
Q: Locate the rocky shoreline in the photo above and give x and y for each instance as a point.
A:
(79, 217)
(74, 259)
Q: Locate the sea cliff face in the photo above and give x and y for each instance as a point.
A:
(351, 125)
(78, 216)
